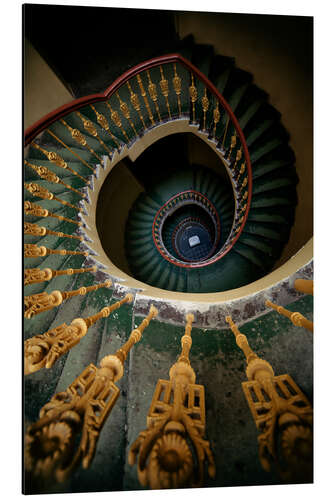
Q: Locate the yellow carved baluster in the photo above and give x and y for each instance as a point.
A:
(36, 230)
(216, 117)
(38, 211)
(295, 317)
(79, 412)
(104, 124)
(304, 286)
(126, 113)
(79, 138)
(144, 96)
(49, 176)
(232, 145)
(177, 85)
(91, 129)
(41, 192)
(36, 275)
(32, 250)
(193, 95)
(153, 95)
(165, 90)
(205, 107)
(70, 150)
(116, 120)
(176, 415)
(40, 302)
(136, 103)
(57, 160)
(278, 407)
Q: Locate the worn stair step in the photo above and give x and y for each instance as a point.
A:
(272, 185)
(267, 231)
(40, 322)
(264, 245)
(263, 168)
(258, 258)
(256, 153)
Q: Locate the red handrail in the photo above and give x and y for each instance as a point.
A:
(58, 113)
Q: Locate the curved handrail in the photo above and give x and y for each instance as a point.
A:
(74, 105)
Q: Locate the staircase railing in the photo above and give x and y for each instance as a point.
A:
(154, 92)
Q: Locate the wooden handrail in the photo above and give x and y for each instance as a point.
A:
(76, 104)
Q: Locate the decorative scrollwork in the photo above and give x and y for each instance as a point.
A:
(164, 85)
(32, 250)
(52, 447)
(36, 230)
(38, 211)
(41, 192)
(35, 275)
(175, 429)
(282, 413)
(40, 302)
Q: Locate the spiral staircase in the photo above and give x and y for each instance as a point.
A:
(239, 219)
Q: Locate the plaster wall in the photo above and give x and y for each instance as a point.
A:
(43, 91)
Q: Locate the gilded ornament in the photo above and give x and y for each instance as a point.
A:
(68, 429)
(164, 85)
(36, 275)
(70, 150)
(40, 302)
(193, 95)
(41, 192)
(144, 96)
(38, 211)
(36, 230)
(282, 414)
(136, 103)
(177, 86)
(304, 286)
(126, 113)
(32, 250)
(153, 94)
(171, 452)
(102, 121)
(295, 317)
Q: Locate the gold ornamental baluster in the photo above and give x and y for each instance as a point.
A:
(36, 230)
(193, 95)
(232, 145)
(49, 176)
(177, 85)
(241, 172)
(205, 107)
(175, 428)
(76, 416)
(278, 407)
(126, 113)
(70, 150)
(225, 131)
(36, 275)
(245, 195)
(244, 183)
(32, 250)
(136, 103)
(144, 96)
(304, 286)
(40, 302)
(238, 157)
(57, 160)
(165, 90)
(38, 211)
(216, 118)
(102, 121)
(79, 138)
(41, 192)
(44, 350)
(91, 129)
(295, 317)
(116, 120)
(153, 94)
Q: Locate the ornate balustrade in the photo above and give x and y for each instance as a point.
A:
(171, 452)
(69, 426)
(282, 414)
